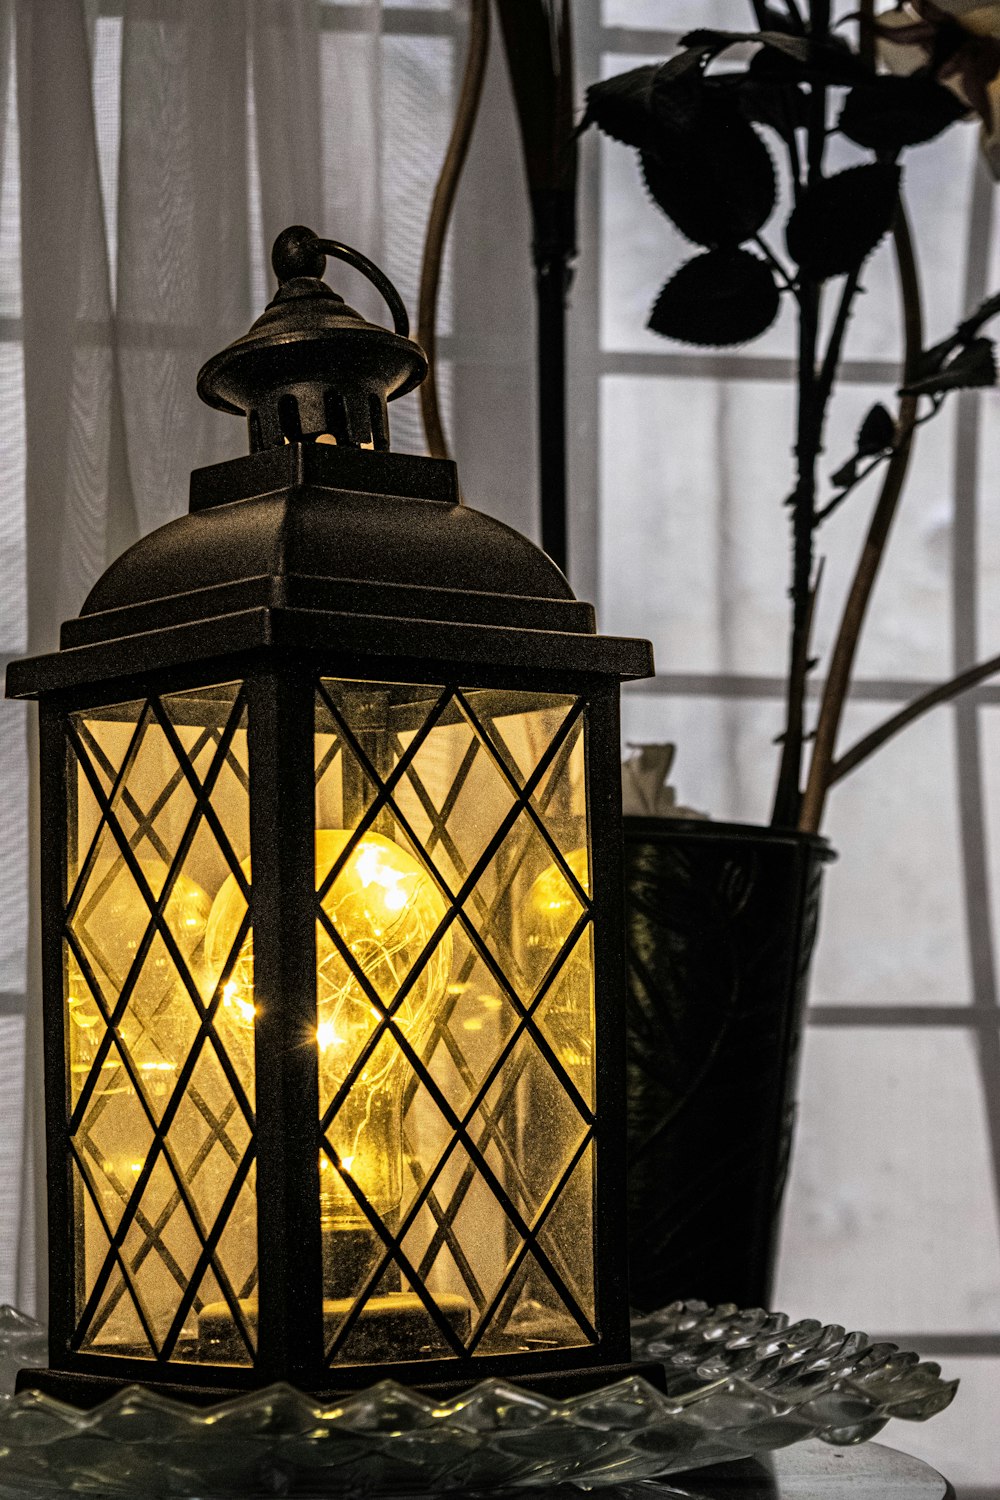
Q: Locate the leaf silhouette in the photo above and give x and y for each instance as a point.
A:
(877, 432)
(887, 113)
(769, 101)
(622, 106)
(839, 220)
(846, 474)
(974, 365)
(714, 180)
(720, 298)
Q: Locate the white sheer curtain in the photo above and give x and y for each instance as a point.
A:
(151, 151)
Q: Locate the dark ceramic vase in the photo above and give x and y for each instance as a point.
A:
(721, 921)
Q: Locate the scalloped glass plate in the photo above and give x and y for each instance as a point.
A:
(738, 1384)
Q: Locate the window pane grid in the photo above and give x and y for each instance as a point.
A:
(675, 703)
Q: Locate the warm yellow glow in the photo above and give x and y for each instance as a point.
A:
(233, 1000)
(553, 908)
(405, 1076)
(110, 921)
(384, 908)
(552, 901)
(328, 437)
(326, 1036)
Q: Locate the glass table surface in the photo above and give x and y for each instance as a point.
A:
(805, 1471)
(761, 1385)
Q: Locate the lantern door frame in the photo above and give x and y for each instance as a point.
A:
(280, 687)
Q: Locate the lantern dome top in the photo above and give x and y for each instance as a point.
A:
(348, 528)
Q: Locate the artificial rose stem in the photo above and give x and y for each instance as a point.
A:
(440, 217)
(845, 647)
(915, 709)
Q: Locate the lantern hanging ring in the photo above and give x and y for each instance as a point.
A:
(299, 252)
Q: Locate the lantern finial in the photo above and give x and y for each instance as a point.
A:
(312, 369)
(296, 252)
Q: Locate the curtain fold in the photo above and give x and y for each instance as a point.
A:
(79, 501)
(114, 330)
(183, 236)
(285, 48)
(79, 508)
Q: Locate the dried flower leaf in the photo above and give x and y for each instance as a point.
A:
(846, 474)
(800, 48)
(623, 106)
(800, 59)
(877, 432)
(769, 101)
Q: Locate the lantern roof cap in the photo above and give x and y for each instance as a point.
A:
(311, 364)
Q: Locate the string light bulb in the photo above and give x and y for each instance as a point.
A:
(552, 909)
(384, 908)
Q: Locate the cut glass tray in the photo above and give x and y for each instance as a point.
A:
(739, 1383)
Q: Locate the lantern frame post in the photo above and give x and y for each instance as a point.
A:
(62, 1217)
(608, 897)
(282, 821)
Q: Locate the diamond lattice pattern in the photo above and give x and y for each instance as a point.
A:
(160, 1023)
(455, 1021)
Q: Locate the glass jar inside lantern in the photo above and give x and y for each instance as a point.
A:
(379, 909)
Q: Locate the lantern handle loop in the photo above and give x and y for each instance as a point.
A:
(300, 252)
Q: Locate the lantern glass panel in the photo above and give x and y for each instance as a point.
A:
(455, 1021)
(160, 1034)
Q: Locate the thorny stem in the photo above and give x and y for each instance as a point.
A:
(828, 374)
(782, 272)
(845, 646)
(795, 162)
(852, 283)
(819, 26)
(785, 812)
(866, 32)
(809, 428)
(827, 511)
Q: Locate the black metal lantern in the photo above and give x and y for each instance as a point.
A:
(332, 926)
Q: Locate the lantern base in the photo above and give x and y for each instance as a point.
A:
(87, 1391)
